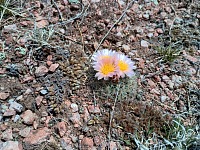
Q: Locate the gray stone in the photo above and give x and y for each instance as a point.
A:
(163, 98)
(11, 27)
(144, 43)
(126, 47)
(16, 106)
(43, 92)
(150, 35)
(9, 145)
(17, 117)
(1, 117)
(3, 108)
(7, 135)
(146, 16)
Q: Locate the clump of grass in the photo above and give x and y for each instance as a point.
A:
(177, 137)
(108, 89)
(40, 36)
(168, 54)
(7, 8)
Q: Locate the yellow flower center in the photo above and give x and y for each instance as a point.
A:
(122, 65)
(107, 68)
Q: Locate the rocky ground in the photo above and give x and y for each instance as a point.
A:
(50, 100)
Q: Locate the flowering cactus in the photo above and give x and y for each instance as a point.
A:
(111, 64)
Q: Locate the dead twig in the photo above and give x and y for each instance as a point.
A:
(82, 40)
(60, 14)
(111, 117)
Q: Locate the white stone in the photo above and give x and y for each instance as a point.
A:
(74, 107)
(144, 43)
(9, 145)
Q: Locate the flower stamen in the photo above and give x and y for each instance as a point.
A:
(123, 66)
(107, 68)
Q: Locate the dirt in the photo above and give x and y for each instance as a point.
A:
(165, 86)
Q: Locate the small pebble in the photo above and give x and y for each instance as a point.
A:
(163, 98)
(3, 108)
(144, 43)
(16, 118)
(74, 139)
(1, 117)
(43, 92)
(146, 16)
(9, 113)
(25, 132)
(74, 107)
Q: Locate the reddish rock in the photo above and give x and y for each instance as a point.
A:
(41, 71)
(155, 91)
(168, 9)
(76, 125)
(53, 67)
(42, 23)
(94, 109)
(28, 117)
(68, 103)
(48, 118)
(4, 95)
(75, 118)
(191, 58)
(61, 128)
(151, 83)
(113, 145)
(9, 112)
(25, 132)
(49, 57)
(27, 78)
(141, 63)
(49, 63)
(7, 135)
(2, 70)
(3, 127)
(37, 136)
(86, 114)
(87, 143)
(159, 30)
(38, 100)
(157, 78)
(97, 140)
